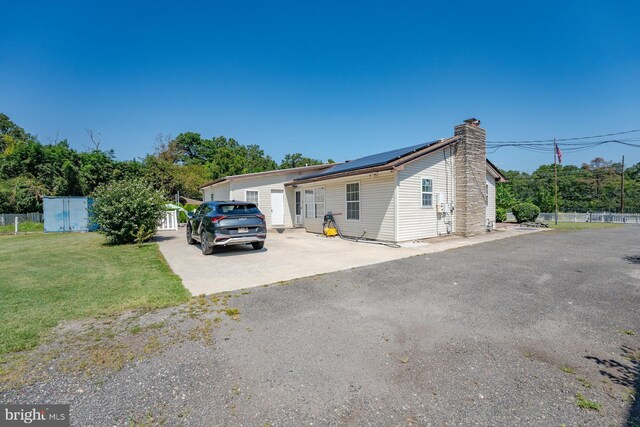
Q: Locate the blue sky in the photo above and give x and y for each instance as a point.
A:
(328, 79)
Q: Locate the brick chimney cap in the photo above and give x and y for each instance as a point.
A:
(473, 122)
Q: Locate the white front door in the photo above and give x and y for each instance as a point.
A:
(298, 207)
(277, 207)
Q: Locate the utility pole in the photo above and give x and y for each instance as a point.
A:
(622, 188)
(555, 174)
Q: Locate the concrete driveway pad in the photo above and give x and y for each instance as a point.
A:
(291, 254)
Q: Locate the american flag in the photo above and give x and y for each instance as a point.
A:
(559, 153)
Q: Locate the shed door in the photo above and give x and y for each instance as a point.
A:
(54, 214)
(78, 216)
(277, 207)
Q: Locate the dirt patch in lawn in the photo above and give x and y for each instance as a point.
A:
(96, 348)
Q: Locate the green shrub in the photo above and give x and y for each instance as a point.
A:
(122, 208)
(501, 214)
(525, 212)
(143, 235)
(182, 217)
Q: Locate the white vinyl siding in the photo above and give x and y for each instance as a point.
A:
(217, 192)
(491, 199)
(253, 196)
(353, 201)
(389, 205)
(414, 221)
(377, 206)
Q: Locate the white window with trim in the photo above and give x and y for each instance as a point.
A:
(427, 193)
(252, 196)
(309, 206)
(319, 202)
(353, 201)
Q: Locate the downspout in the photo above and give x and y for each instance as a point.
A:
(396, 193)
(454, 177)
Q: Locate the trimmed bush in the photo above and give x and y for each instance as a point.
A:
(501, 214)
(122, 208)
(525, 212)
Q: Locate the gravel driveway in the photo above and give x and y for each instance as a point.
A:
(515, 332)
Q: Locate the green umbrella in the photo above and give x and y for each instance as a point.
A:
(172, 206)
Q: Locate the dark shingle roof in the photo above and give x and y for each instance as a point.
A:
(368, 161)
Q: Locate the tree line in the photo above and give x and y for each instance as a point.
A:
(593, 186)
(30, 169)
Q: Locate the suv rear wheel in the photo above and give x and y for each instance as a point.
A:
(204, 244)
(257, 245)
(190, 240)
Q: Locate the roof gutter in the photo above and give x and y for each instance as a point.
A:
(212, 183)
(266, 173)
(496, 171)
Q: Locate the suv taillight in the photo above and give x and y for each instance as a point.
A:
(217, 218)
(260, 216)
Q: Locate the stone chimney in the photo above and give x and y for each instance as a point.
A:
(470, 169)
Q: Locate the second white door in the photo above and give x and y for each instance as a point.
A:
(277, 207)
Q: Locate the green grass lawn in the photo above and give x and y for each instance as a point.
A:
(47, 278)
(23, 227)
(582, 225)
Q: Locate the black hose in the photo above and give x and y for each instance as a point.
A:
(330, 220)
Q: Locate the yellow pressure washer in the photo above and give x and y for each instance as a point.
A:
(329, 227)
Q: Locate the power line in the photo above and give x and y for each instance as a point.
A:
(566, 139)
(567, 147)
(549, 177)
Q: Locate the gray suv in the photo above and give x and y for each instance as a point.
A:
(216, 224)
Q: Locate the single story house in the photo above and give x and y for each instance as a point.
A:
(426, 190)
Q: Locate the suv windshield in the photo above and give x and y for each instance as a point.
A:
(232, 209)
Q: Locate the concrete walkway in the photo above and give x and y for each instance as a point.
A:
(293, 254)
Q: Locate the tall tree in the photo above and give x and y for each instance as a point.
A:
(297, 160)
(10, 133)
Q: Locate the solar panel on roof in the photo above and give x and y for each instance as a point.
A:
(368, 161)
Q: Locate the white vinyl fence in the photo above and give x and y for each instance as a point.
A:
(564, 217)
(619, 218)
(169, 221)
